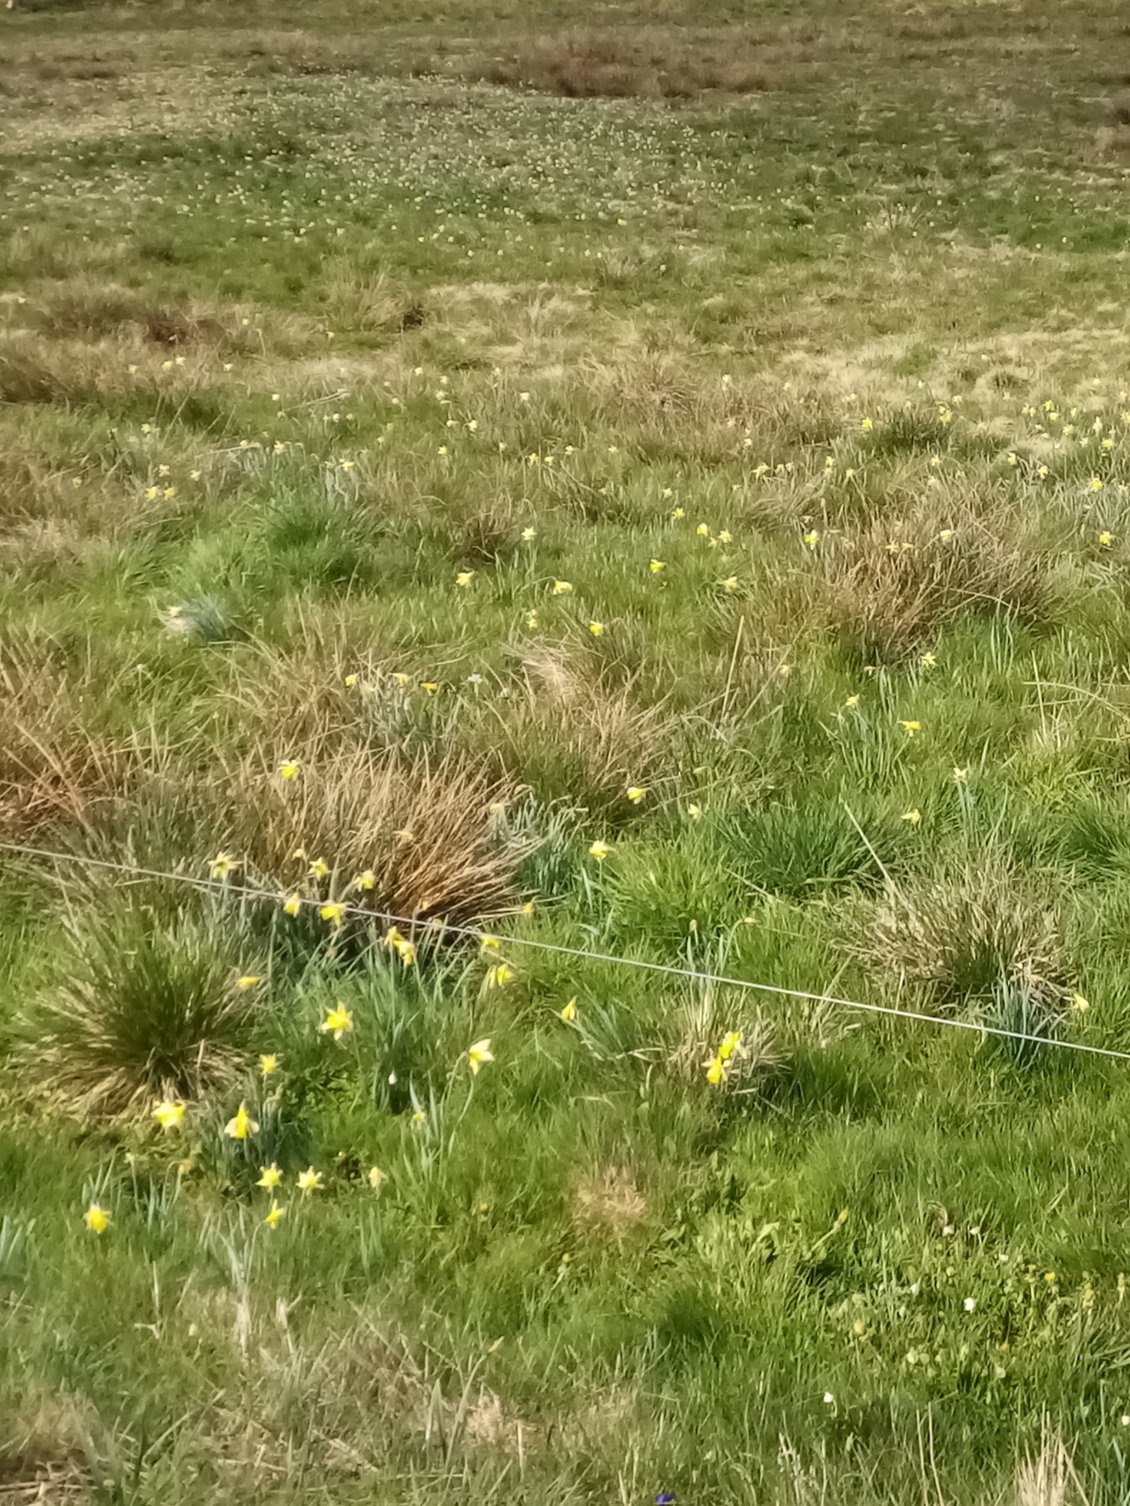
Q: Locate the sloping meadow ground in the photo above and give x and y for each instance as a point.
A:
(481, 490)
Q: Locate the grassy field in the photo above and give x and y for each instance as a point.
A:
(486, 488)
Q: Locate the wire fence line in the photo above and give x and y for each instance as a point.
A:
(688, 974)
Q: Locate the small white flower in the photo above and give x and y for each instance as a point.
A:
(829, 1399)
(970, 1304)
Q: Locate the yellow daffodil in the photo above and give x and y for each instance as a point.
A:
(489, 944)
(248, 980)
(960, 775)
(928, 660)
(376, 1178)
(406, 951)
(694, 811)
(1106, 540)
(319, 869)
(562, 588)
(241, 1126)
(273, 1215)
(169, 1113)
(569, 1013)
(531, 621)
(715, 1071)
(731, 1045)
(657, 566)
(852, 702)
(599, 851)
(636, 794)
(269, 1176)
(292, 903)
(812, 538)
(338, 1022)
(478, 1055)
(1079, 1003)
(499, 975)
(464, 578)
(96, 1218)
(429, 687)
(222, 865)
(528, 535)
(333, 914)
(268, 1063)
(596, 629)
(309, 1180)
(867, 426)
(911, 728)
(289, 768)
(365, 882)
(730, 583)
(913, 817)
(350, 681)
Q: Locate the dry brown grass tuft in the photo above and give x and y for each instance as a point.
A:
(47, 1450)
(647, 62)
(85, 308)
(369, 302)
(53, 765)
(423, 830)
(889, 588)
(964, 937)
(572, 737)
(608, 1204)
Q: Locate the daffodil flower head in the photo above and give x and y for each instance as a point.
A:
(636, 794)
(169, 1113)
(274, 1215)
(715, 1071)
(569, 1013)
(222, 865)
(319, 868)
(376, 1178)
(562, 588)
(365, 882)
(657, 567)
(499, 975)
(241, 1126)
(731, 1045)
(464, 578)
(338, 1022)
(269, 1176)
(292, 904)
(289, 769)
(268, 1063)
(478, 1055)
(596, 629)
(247, 981)
(333, 913)
(96, 1218)
(309, 1180)
(599, 850)
(911, 728)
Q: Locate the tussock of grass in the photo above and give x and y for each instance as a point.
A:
(959, 939)
(572, 739)
(142, 1007)
(890, 589)
(427, 831)
(640, 62)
